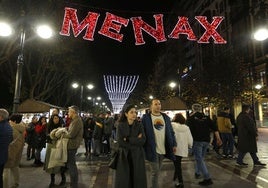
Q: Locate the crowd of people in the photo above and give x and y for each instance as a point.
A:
(151, 138)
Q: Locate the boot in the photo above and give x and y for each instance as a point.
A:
(63, 179)
(52, 180)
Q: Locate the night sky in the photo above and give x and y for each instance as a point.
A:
(108, 56)
(105, 56)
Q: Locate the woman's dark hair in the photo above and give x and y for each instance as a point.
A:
(179, 118)
(245, 107)
(16, 118)
(40, 119)
(123, 117)
(52, 117)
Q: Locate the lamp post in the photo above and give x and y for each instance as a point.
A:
(76, 85)
(261, 33)
(95, 102)
(43, 31)
(98, 98)
(172, 85)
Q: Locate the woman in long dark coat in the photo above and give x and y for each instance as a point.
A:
(130, 172)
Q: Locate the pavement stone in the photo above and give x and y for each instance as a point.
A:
(94, 172)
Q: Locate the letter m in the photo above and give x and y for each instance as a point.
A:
(71, 20)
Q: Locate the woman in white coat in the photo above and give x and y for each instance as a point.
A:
(184, 141)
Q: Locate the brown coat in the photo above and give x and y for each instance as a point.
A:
(15, 148)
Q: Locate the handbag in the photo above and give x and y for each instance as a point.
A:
(114, 160)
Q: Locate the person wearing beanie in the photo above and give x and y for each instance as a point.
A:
(201, 126)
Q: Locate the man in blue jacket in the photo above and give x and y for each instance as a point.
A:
(160, 139)
(5, 138)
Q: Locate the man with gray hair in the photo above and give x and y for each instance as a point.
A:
(6, 137)
(200, 126)
(75, 136)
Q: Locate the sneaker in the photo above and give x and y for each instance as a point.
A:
(206, 182)
(224, 156)
(241, 164)
(230, 156)
(179, 185)
(258, 163)
(197, 176)
(15, 185)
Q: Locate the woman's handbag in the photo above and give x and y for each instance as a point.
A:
(114, 159)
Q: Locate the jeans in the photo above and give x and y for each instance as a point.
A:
(38, 154)
(97, 147)
(114, 134)
(155, 170)
(242, 155)
(227, 143)
(30, 151)
(87, 142)
(71, 164)
(199, 151)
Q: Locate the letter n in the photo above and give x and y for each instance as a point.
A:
(139, 25)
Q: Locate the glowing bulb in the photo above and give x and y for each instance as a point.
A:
(44, 31)
(261, 34)
(5, 30)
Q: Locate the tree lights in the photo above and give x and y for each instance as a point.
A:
(119, 89)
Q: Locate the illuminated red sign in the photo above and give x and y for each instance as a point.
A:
(112, 25)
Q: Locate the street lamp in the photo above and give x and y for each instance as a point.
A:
(261, 34)
(172, 85)
(43, 31)
(94, 100)
(76, 85)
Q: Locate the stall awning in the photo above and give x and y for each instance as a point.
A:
(173, 103)
(34, 106)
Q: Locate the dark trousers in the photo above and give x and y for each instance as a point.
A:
(178, 171)
(242, 155)
(71, 164)
(1, 174)
(30, 151)
(87, 144)
(227, 143)
(106, 145)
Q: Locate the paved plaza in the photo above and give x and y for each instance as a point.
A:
(94, 172)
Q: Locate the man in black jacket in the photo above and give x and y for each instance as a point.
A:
(200, 126)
